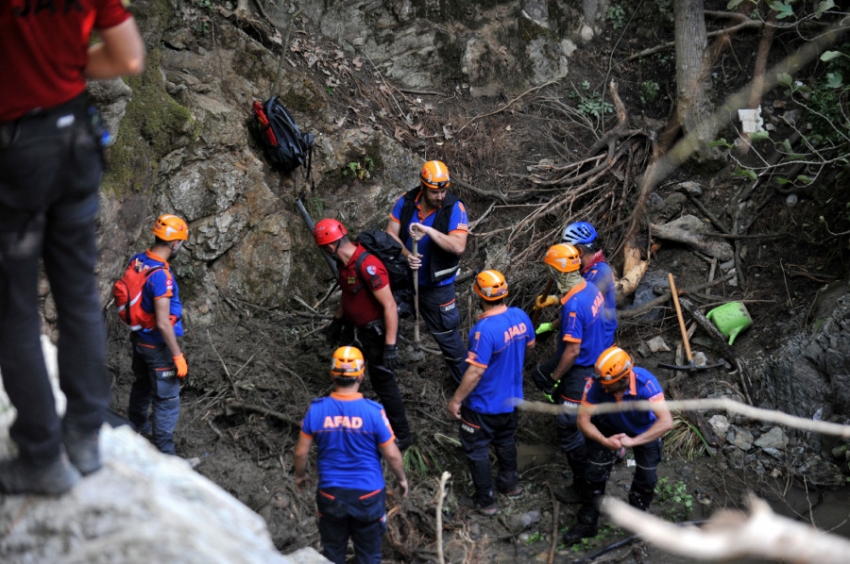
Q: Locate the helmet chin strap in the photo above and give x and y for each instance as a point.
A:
(176, 247)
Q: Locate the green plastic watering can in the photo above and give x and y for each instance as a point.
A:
(731, 319)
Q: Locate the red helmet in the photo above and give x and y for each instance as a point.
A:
(328, 231)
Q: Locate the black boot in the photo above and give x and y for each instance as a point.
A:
(19, 476)
(588, 517)
(573, 493)
(639, 498)
(83, 450)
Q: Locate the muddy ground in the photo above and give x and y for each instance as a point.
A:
(253, 374)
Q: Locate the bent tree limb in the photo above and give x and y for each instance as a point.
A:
(734, 534)
(723, 404)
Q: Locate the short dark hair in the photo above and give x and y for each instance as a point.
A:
(345, 381)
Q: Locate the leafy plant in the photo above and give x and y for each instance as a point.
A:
(648, 91)
(591, 102)
(675, 498)
(616, 15)
(534, 537)
(358, 170)
(665, 9)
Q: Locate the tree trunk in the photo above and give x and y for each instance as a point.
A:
(693, 103)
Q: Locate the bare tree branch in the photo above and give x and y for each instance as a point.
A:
(723, 404)
(733, 534)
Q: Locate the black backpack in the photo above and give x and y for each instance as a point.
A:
(389, 251)
(285, 146)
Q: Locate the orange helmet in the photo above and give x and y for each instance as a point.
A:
(563, 258)
(612, 365)
(328, 231)
(347, 362)
(435, 175)
(170, 228)
(490, 285)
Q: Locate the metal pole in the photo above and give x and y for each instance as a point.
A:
(305, 215)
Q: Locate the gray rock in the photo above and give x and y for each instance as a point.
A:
(740, 437)
(720, 425)
(691, 188)
(774, 438)
(142, 506)
(657, 344)
(775, 453)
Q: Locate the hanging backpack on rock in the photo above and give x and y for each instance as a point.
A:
(389, 251)
(285, 147)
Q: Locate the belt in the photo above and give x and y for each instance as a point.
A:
(376, 326)
(50, 122)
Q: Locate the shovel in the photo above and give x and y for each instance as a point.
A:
(418, 354)
(690, 367)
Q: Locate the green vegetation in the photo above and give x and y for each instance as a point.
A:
(648, 91)
(360, 171)
(591, 103)
(617, 16)
(154, 120)
(674, 499)
(606, 533)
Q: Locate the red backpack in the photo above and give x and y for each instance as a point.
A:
(127, 292)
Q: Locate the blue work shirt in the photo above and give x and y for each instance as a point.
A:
(160, 284)
(458, 222)
(497, 343)
(581, 313)
(642, 386)
(601, 276)
(348, 431)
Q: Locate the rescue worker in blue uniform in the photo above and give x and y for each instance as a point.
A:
(617, 381)
(351, 433)
(491, 387)
(158, 362)
(582, 339)
(595, 269)
(437, 220)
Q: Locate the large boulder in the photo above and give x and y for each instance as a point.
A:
(142, 506)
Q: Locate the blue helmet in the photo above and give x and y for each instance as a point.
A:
(580, 233)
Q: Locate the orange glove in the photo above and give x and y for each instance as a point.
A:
(182, 367)
(542, 302)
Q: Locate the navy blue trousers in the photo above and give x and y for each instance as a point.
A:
(155, 389)
(356, 514)
(438, 307)
(50, 168)
(477, 432)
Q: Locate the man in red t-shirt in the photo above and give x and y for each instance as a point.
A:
(51, 160)
(374, 313)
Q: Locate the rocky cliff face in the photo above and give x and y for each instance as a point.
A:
(184, 145)
(810, 375)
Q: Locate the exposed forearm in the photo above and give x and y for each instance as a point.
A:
(454, 243)
(661, 426)
(300, 464)
(567, 360)
(470, 380)
(170, 339)
(121, 51)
